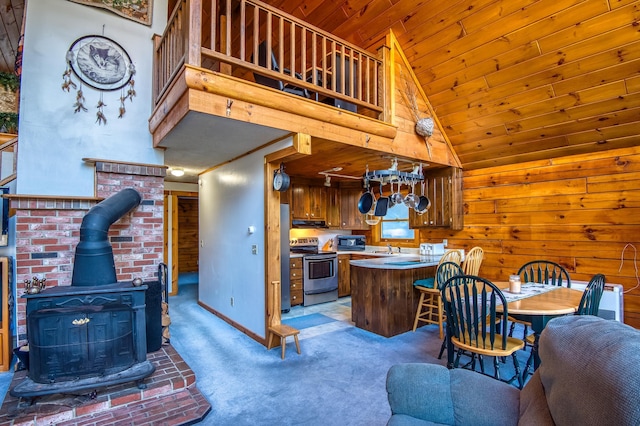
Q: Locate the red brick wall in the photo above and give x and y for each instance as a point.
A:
(48, 230)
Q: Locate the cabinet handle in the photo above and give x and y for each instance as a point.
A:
(294, 297)
(293, 286)
(293, 274)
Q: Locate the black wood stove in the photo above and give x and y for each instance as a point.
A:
(93, 333)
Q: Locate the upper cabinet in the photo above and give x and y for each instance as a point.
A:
(308, 202)
(443, 187)
(350, 216)
(333, 207)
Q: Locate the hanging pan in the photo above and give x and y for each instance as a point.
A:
(381, 205)
(423, 203)
(366, 201)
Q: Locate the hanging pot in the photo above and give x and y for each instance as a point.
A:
(396, 197)
(411, 200)
(381, 205)
(366, 202)
(423, 203)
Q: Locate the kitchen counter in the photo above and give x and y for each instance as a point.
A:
(383, 298)
(397, 262)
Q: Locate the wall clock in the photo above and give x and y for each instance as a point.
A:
(281, 180)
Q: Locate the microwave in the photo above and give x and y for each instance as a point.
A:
(351, 242)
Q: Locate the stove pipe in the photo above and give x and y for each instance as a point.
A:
(94, 263)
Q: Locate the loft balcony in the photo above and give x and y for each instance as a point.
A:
(242, 67)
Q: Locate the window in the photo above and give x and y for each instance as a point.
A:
(395, 225)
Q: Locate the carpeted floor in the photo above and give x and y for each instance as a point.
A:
(338, 379)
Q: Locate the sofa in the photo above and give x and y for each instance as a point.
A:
(589, 375)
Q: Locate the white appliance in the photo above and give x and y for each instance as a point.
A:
(431, 249)
(612, 302)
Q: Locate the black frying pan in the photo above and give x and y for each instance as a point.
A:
(366, 202)
(381, 205)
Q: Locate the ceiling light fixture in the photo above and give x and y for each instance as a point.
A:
(177, 171)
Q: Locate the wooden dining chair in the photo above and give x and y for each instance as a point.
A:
(590, 302)
(542, 272)
(472, 261)
(589, 305)
(429, 305)
(470, 303)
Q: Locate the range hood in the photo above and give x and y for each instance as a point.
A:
(296, 223)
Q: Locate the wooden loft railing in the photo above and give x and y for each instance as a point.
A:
(224, 35)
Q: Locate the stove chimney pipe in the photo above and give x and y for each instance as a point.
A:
(94, 263)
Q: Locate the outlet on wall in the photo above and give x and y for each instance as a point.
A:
(445, 242)
(254, 249)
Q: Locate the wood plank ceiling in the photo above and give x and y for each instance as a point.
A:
(510, 81)
(513, 80)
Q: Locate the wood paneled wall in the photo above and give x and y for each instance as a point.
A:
(580, 211)
(188, 234)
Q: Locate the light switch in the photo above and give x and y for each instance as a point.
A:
(254, 249)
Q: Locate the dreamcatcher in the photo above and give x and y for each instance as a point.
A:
(102, 64)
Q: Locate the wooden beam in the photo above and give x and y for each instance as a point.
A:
(212, 82)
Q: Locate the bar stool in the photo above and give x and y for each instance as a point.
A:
(429, 305)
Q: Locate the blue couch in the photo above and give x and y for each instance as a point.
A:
(589, 375)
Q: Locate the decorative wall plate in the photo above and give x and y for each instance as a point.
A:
(100, 62)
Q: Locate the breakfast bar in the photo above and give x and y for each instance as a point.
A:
(383, 299)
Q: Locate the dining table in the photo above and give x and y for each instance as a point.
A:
(536, 303)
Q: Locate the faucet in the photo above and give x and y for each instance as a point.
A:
(390, 248)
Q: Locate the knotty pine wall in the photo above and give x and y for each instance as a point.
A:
(188, 234)
(579, 211)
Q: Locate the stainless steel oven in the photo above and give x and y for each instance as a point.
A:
(319, 271)
(320, 281)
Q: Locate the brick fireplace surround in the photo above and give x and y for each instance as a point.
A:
(47, 233)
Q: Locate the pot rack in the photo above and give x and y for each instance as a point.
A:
(393, 175)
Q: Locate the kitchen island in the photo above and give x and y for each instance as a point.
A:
(383, 299)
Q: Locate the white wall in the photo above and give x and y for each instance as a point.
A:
(231, 199)
(53, 139)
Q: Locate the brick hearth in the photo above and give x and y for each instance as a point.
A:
(171, 398)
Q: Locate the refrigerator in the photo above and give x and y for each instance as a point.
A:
(285, 288)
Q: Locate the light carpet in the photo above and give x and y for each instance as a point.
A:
(338, 379)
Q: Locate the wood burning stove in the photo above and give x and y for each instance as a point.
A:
(93, 333)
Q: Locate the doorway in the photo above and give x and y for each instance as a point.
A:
(181, 238)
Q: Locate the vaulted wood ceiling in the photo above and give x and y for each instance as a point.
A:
(510, 81)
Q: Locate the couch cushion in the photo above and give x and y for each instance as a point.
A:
(590, 371)
(421, 391)
(533, 404)
(480, 400)
(404, 420)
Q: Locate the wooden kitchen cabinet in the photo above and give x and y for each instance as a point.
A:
(350, 216)
(333, 207)
(295, 281)
(308, 202)
(444, 189)
(344, 275)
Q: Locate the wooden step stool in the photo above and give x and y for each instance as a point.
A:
(283, 331)
(276, 327)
